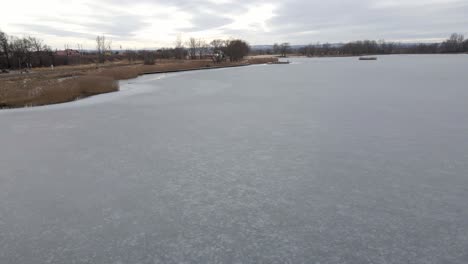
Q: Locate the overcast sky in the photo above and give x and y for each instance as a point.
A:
(157, 23)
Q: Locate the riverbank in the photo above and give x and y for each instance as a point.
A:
(46, 86)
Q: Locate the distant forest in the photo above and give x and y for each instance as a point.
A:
(27, 52)
(456, 43)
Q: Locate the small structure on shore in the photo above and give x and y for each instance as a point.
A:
(280, 62)
(368, 58)
(218, 56)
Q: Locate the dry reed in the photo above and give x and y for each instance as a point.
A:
(52, 87)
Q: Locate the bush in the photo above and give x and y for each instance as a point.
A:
(236, 49)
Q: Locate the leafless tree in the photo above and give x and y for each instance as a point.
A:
(21, 49)
(203, 48)
(454, 43)
(109, 46)
(276, 48)
(103, 47)
(37, 44)
(193, 47)
(38, 47)
(218, 45)
(284, 49)
(179, 50)
(5, 47)
(80, 50)
(131, 55)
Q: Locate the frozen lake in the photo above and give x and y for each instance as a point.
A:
(329, 160)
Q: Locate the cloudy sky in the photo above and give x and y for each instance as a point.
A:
(157, 23)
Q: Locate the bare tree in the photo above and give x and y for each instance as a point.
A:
(50, 55)
(276, 48)
(37, 44)
(103, 47)
(308, 50)
(179, 50)
(100, 48)
(284, 49)
(39, 47)
(131, 55)
(203, 48)
(21, 48)
(80, 50)
(193, 46)
(109, 46)
(218, 45)
(5, 47)
(454, 43)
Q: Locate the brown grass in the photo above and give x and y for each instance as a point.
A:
(67, 84)
(53, 91)
(119, 73)
(172, 66)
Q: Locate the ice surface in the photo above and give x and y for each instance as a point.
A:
(320, 161)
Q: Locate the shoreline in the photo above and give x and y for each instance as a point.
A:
(198, 69)
(71, 83)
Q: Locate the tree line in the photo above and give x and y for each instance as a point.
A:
(218, 50)
(22, 52)
(456, 43)
(27, 52)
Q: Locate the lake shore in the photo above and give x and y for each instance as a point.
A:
(45, 86)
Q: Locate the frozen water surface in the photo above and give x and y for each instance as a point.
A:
(328, 160)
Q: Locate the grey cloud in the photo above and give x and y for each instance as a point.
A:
(296, 21)
(120, 26)
(48, 30)
(204, 22)
(208, 15)
(348, 20)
